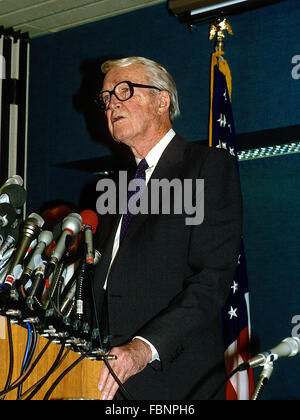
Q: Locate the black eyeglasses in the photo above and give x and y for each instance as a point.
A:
(122, 91)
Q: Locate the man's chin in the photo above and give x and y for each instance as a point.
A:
(120, 138)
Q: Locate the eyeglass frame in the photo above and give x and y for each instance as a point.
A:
(131, 85)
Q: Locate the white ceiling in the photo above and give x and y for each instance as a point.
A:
(41, 17)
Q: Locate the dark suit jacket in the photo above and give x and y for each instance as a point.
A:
(169, 281)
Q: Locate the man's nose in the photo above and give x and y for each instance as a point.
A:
(113, 102)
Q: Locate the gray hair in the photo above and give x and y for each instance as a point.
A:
(158, 76)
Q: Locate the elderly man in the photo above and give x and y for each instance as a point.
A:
(162, 282)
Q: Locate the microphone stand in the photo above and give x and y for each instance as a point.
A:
(263, 379)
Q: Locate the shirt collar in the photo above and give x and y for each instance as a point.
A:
(155, 153)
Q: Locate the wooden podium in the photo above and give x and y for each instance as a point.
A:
(80, 383)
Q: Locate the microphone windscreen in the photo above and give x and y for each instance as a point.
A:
(7, 214)
(15, 179)
(37, 219)
(16, 193)
(90, 218)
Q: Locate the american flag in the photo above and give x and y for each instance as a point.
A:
(235, 314)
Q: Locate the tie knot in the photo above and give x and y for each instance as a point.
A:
(140, 171)
(143, 165)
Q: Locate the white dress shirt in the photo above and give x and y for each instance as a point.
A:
(152, 159)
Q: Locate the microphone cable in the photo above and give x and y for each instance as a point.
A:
(49, 373)
(63, 374)
(60, 282)
(123, 390)
(27, 347)
(65, 291)
(29, 390)
(56, 284)
(82, 357)
(236, 370)
(30, 350)
(23, 378)
(25, 357)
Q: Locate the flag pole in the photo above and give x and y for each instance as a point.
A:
(222, 135)
(217, 29)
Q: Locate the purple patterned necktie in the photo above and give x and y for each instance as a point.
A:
(127, 217)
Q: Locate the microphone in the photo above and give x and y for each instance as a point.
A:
(14, 179)
(36, 286)
(4, 261)
(68, 300)
(14, 194)
(71, 226)
(289, 347)
(263, 379)
(89, 226)
(31, 228)
(12, 236)
(45, 239)
(2, 236)
(8, 214)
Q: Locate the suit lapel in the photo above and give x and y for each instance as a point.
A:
(103, 266)
(173, 155)
(168, 167)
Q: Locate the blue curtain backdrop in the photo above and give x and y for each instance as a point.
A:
(271, 230)
(64, 127)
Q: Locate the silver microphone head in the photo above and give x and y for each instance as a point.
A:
(15, 179)
(37, 219)
(97, 257)
(46, 236)
(72, 223)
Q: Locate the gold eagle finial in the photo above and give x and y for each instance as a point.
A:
(218, 28)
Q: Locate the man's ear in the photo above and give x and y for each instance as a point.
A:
(164, 101)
